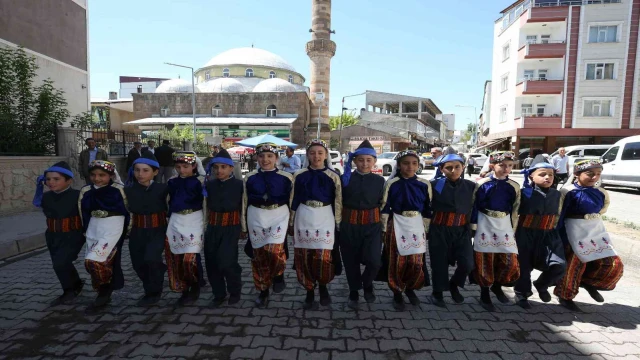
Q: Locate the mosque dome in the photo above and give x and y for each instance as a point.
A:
(176, 86)
(274, 85)
(250, 56)
(222, 85)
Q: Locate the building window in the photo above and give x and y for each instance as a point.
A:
(225, 72)
(529, 74)
(603, 33)
(526, 109)
(518, 10)
(600, 71)
(505, 21)
(503, 114)
(139, 89)
(544, 39)
(207, 76)
(271, 111)
(248, 72)
(216, 111)
(291, 79)
(272, 74)
(504, 83)
(542, 74)
(164, 111)
(506, 49)
(540, 109)
(532, 39)
(598, 108)
(638, 109)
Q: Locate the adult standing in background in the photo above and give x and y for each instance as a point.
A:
(134, 154)
(164, 155)
(471, 165)
(151, 147)
(561, 163)
(87, 156)
(290, 163)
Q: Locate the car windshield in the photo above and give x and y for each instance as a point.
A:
(386, 156)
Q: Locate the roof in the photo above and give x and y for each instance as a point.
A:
(274, 85)
(222, 85)
(511, 6)
(250, 56)
(176, 86)
(214, 121)
(130, 79)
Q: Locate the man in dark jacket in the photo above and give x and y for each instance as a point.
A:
(134, 154)
(164, 155)
(87, 155)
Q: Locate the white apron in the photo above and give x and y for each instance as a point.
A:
(267, 226)
(185, 233)
(102, 236)
(314, 228)
(410, 235)
(589, 239)
(495, 235)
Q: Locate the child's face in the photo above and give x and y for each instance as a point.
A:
(100, 177)
(222, 171)
(317, 155)
(590, 177)
(57, 182)
(184, 169)
(365, 163)
(503, 168)
(267, 160)
(144, 173)
(452, 170)
(542, 177)
(408, 166)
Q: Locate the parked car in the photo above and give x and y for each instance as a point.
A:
(428, 161)
(480, 160)
(581, 152)
(622, 163)
(336, 159)
(387, 160)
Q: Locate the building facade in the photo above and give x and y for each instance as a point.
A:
(55, 33)
(564, 73)
(133, 84)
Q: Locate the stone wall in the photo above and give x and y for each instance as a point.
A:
(148, 105)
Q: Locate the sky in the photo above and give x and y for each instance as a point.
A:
(440, 50)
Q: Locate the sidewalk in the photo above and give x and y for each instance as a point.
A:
(21, 233)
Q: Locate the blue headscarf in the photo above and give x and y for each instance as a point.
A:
(538, 163)
(442, 160)
(62, 168)
(352, 155)
(147, 159)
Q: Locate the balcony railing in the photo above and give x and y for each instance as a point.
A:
(540, 87)
(550, 50)
(540, 121)
(548, 3)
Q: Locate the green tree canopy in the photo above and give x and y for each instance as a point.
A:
(348, 119)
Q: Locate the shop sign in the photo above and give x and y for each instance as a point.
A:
(370, 138)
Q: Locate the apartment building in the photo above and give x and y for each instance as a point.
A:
(137, 85)
(564, 72)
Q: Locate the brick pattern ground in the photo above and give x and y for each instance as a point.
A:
(29, 328)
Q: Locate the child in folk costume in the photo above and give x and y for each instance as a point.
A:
(361, 228)
(265, 217)
(592, 263)
(106, 221)
(450, 231)
(185, 232)
(406, 198)
(316, 211)
(64, 233)
(148, 207)
(539, 243)
(224, 204)
(493, 221)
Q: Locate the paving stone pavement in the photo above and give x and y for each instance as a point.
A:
(29, 328)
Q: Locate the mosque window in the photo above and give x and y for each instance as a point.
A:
(207, 75)
(272, 74)
(291, 79)
(216, 111)
(248, 72)
(164, 111)
(225, 72)
(271, 111)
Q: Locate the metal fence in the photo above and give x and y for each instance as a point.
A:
(25, 142)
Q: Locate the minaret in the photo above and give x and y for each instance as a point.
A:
(320, 50)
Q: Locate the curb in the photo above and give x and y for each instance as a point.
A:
(21, 246)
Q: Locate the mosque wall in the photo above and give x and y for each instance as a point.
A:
(240, 71)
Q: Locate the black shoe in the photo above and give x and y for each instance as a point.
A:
(543, 293)
(353, 300)
(497, 290)
(77, 290)
(455, 293)
(185, 299)
(234, 298)
(308, 301)
(263, 299)
(524, 303)
(570, 305)
(218, 301)
(413, 298)
(103, 298)
(194, 293)
(325, 298)
(593, 292)
(278, 284)
(369, 296)
(485, 299)
(438, 300)
(398, 301)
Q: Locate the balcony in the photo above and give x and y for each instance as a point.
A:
(540, 86)
(548, 14)
(554, 49)
(543, 121)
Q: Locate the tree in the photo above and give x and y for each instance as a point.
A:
(348, 119)
(468, 133)
(185, 133)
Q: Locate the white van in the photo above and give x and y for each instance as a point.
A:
(582, 152)
(622, 163)
(336, 159)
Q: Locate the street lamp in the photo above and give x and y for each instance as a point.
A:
(193, 99)
(342, 114)
(475, 116)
